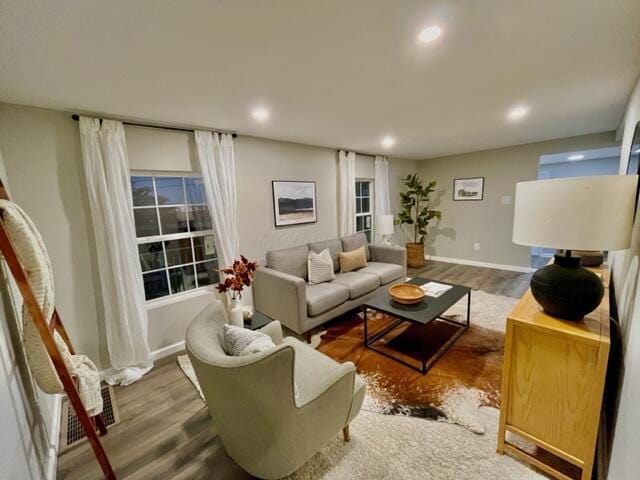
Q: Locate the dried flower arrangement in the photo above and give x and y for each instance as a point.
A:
(239, 276)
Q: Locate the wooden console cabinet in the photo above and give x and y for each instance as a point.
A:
(553, 381)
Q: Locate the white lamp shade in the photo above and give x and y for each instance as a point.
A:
(384, 225)
(579, 213)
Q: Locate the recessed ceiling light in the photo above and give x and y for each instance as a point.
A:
(388, 142)
(261, 114)
(575, 157)
(429, 34)
(518, 112)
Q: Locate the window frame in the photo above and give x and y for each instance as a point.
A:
(370, 181)
(161, 238)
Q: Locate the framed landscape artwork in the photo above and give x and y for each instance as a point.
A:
(466, 189)
(294, 203)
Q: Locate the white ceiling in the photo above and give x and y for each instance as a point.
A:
(333, 72)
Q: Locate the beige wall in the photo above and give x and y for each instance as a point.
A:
(41, 150)
(28, 444)
(489, 222)
(42, 153)
(625, 462)
(258, 162)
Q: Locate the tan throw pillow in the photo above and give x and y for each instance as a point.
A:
(352, 260)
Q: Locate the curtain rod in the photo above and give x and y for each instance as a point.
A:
(76, 117)
(372, 155)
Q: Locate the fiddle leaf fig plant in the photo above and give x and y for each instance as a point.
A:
(415, 203)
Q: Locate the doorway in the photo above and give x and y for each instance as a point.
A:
(579, 163)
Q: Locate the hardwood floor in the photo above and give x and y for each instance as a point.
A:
(490, 280)
(165, 431)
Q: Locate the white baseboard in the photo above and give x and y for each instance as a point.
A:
(155, 355)
(51, 466)
(498, 266)
(166, 351)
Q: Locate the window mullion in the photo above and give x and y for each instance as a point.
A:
(193, 262)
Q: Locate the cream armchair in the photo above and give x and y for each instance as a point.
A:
(264, 427)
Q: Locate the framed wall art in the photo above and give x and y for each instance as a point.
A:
(467, 189)
(294, 203)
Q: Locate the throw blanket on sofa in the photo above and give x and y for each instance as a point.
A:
(33, 257)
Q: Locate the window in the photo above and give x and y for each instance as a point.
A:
(175, 239)
(364, 191)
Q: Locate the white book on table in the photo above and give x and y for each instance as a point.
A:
(435, 289)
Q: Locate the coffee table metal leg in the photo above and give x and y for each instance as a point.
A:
(366, 335)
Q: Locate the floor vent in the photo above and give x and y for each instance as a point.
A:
(71, 431)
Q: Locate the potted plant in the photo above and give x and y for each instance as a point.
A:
(238, 276)
(415, 203)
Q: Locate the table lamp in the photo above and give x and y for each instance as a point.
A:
(384, 227)
(579, 213)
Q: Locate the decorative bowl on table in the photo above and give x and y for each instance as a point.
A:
(406, 293)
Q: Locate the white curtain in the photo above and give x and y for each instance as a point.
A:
(106, 168)
(382, 205)
(217, 164)
(346, 193)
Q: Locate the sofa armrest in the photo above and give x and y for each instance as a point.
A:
(281, 296)
(388, 254)
(274, 330)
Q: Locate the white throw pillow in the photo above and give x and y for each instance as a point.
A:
(320, 266)
(238, 341)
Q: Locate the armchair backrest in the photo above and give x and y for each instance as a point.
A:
(247, 396)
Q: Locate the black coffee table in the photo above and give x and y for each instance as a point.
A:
(430, 309)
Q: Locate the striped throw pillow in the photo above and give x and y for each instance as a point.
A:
(320, 266)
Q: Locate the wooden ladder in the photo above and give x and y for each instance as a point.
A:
(46, 330)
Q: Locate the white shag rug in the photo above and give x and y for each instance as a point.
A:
(487, 310)
(407, 448)
(397, 447)
(403, 447)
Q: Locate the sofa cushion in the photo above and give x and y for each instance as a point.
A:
(388, 272)
(351, 242)
(325, 296)
(334, 246)
(357, 283)
(290, 260)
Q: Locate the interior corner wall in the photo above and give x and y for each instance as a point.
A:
(29, 418)
(489, 222)
(625, 462)
(44, 162)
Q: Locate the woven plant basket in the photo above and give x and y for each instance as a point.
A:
(415, 255)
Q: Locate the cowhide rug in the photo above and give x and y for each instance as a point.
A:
(466, 377)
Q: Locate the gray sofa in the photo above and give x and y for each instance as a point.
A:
(281, 289)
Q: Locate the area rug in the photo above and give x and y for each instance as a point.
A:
(407, 448)
(466, 377)
(397, 447)
(462, 381)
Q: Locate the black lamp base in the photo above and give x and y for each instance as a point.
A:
(565, 289)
